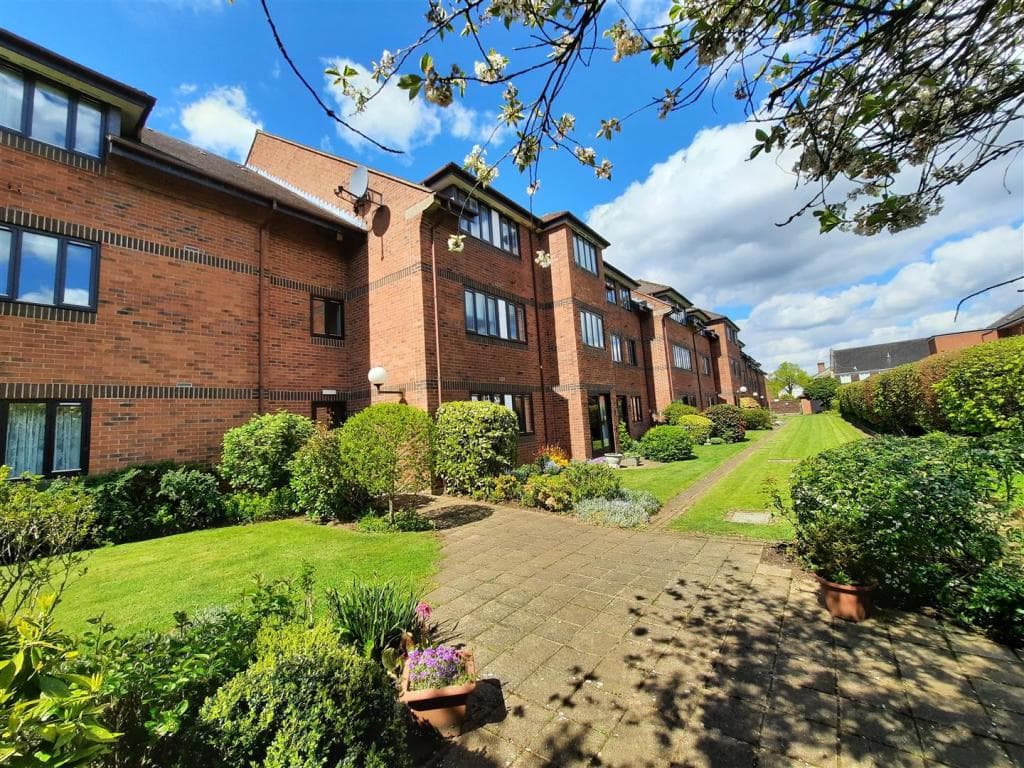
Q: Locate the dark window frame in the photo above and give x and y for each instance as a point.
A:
(579, 254)
(29, 80)
(50, 430)
(527, 425)
(631, 356)
(312, 316)
(505, 225)
(583, 327)
(615, 342)
(519, 310)
(8, 293)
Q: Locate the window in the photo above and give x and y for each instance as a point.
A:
(681, 358)
(631, 351)
(638, 410)
(616, 348)
(484, 223)
(623, 408)
(490, 316)
(585, 253)
(735, 367)
(328, 318)
(43, 269)
(611, 292)
(711, 400)
(51, 114)
(44, 437)
(331, 414)
(705, 364)
(679, 316)
(521, 405)
(625, 297)
(593, 329)
(730, 333)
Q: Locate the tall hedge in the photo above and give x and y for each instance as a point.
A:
(977, 391)
(474, 441)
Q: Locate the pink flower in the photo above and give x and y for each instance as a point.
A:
(424, 611)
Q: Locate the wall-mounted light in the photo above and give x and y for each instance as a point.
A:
(378, 376)
(743, 390)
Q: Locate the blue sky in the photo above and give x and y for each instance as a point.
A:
(683, 205)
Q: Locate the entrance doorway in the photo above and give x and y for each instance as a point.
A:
(600, 408)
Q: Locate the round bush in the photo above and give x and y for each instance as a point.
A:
(550, 492)
(823, 389)
(698, 427)
(676, 409)
(188, 500)
(473, 441)
(386, 451)
(984, 390)
(592, 480)
(728, 422)
(666, 443)
(905, 513)
(256, 455)
(757, 418)
(307, 700)
(321, 488)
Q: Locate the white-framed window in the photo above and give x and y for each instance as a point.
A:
(521, 405)
(488, 315)
(637, 407)
(678, 316)
(681, 358)
(616, 348)
(705, 364)
(611, 292)
(44, 437)
(584, 253)
(592, 326)
(38, 268)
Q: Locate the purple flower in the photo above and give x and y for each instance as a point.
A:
(436, 667)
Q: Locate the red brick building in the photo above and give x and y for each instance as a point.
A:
(153, 295)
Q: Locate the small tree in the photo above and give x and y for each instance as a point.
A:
(824, 390)
(786, 378)
(386, 450)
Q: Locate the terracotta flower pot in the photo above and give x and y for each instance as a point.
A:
(443, 709)
(845, 601)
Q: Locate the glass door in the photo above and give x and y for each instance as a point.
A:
(600, 408)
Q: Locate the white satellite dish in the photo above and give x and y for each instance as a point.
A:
(358, 182)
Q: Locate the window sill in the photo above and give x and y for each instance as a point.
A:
(514, 256)
(497, 340)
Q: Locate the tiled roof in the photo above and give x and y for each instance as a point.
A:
(879, 357)
(1017, 316)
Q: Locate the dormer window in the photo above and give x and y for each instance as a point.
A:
(679, 316)
(484, 223)
(584, 253)
(51, 114)
(611, 292)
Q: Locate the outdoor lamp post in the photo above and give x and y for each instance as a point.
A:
(378, 376)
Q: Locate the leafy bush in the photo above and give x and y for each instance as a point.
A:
(993, 601)
(524, 472)
(626, 442)
(49, 716)
(930, 371)
(630, 509)
(896, 401)
(716, 441)
(550, 492)
(473, 441)
(320, 485)
(155, 683)
(308, 700)
(698, 427)
(386, 451)
(757, 418)
(591, 480)
(823, 389)
(41, 533)
(676, 409)
(407, 521)
(125, 502)
(500, 489)
(188, 500)
(375, 616)
(256, 455)
(244, 507)
(728, 422)
(667, 443)
(984, 391)
(905, 513)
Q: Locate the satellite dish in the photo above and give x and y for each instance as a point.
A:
(358, 182)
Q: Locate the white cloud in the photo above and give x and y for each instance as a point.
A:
(704, 221)
(186, 89)
(394, 120)
(222, 121)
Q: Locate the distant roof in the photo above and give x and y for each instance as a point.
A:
(664, 291)
(134, 104)
(169, 153)
(620, 275)
(551, 219)
(1017, 316)
(879, 357)
(451, 169)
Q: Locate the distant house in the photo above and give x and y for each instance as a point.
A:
(1011, 324)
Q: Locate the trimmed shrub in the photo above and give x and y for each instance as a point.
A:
(319, 483)
(550, 492)
(749, 402)
(473, 441)
(506, 488)
(188, 500)
(308, 701)
(125, 502)
(677, 408)
(259, 508)
(728, 422)
(757, 418)
(993, 601)
(256, 455)
(984, 390)
(896, 400)
(386, 451)
(905, 513)
(823, 389)
(667, 443)
(626, 442)
(629, 510)
(407, 521)
(698, 427)
(591, 480)
(716, 441)
(930, 371)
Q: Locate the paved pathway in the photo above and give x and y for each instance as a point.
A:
(623, 648)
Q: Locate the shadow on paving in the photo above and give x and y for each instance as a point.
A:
(454, 515)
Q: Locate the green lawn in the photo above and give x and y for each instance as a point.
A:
(141, 585)
(743, 488)
(667, 480)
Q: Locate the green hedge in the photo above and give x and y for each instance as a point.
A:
(666, 443)
(474, 441)
(974, 391)
(700, 428)
(256, 455)
(677, 409)
(729, 422)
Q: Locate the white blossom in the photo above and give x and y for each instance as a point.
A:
(456, 243)
(543, 259)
